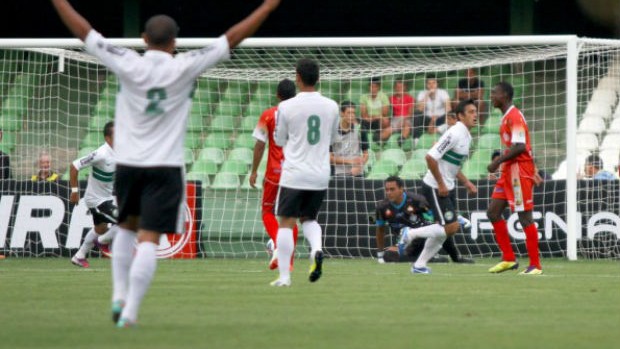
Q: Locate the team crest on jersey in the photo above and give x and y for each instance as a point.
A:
(449, 215)
(410, 209)
(388, 213)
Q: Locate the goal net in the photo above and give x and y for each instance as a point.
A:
(56, 99)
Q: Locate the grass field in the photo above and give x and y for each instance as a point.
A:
(227, 303)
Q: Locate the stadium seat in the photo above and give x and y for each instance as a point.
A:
(482, 155)
(218, 140)
(414, 168)
(377, 175)
(228, 108)
(206, 167)
(256, 109)
(244, 140)
(92, 140)
(614, 127)
(197, 176)
(475, 169)
(212, 154)
(426, 141)
(610, 141)
(188, 154)
(587, 141)
(248, 124)
(200, 109)
(85, 151)
(597, 110)
(243, 154)
(398, 156)
(385, 166)
(225, 181)
(419, 155)
(8, 142)
(491, 125)
(592, 124)
(105, 108)
(264, 94)
(611, 158)
(259, 182)
(222, 123)
(236, 166)
(193, 140)
(604, 96)
(96, 123)
(489, 141)
(195, 123)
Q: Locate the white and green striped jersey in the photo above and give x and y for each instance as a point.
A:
(101, 178)
(154, 99)
(450, 151)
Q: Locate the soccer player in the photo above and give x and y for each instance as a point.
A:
(409, 214)
(444, 162)
(306, 126)
(263, 133)
(515, 186)
(98, 196)
(152, 108)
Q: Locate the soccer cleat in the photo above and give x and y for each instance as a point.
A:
(117, 309)
(531, 270)
(104, 248)
(503, 266)
(280, 283)
(273, 263)
(316, 269)
(125, 323)
(80, 262)
(464, 222)
(422, 270)
(463, 260)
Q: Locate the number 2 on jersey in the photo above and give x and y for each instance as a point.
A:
(155, 95)
(314, 129)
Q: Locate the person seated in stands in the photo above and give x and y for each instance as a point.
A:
(471, 87)
(402, 110)
(349, 150)
(374, 108)
(45, 172)
(433, 103)
(594, 169)
(497, 174)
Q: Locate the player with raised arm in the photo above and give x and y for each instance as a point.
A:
(408, 214)
(152, 108)
(263, 133)
(516, 184)
(306, 126)
(98, 196)
(444, 161)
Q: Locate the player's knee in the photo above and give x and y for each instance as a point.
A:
(493, 215)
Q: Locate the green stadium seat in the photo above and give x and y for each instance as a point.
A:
(8, 141)
(489, 141)
(200, 109)
(225, 181)
(193, 140)
(96, 123)
(92, 140)
(222, 123)
(85, 151)
(205, 167)
(426, 141)
(385, 166)
(475, 169)
(212, 154)
(198, 176)
(188, 155)
(265, 93)
(248, 124)
(413, 169)
(228, 108)
(482, 155)
(195, 123)
(256, 109)
(218, 140)
(243, 154)
(105, 109)
(244, 140)
(236, 166)
(377, 175)
(259, 182)
(397, 155)
(419, 155)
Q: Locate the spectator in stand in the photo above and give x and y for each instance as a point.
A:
(5, 163)
(374, 108)
(433, 104)
(471, 87)
(349, 152)
(594, 169)
(45, 172)
(497, 174)
(402, 110)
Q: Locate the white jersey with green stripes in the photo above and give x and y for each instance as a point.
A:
(101, 178)
(450, 151)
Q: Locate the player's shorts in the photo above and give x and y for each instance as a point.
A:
(299, 203)
(155, 194)
(444, 207)
(270, 195)
(516, 185)
(106, 212)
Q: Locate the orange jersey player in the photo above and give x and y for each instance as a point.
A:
(516, 184)
(263, 133)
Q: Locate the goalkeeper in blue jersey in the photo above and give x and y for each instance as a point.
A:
(409, 214)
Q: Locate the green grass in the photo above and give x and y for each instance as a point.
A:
(227, 303)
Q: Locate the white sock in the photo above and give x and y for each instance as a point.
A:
(140, 277)
(87, 245)
(108, 236)
(312, 232)
(285, 244)
(431, 247)
(123, 247)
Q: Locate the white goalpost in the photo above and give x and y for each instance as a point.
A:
(56, 98)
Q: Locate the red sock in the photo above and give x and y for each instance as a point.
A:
(271, 225)
(503, 240)
(531, 242)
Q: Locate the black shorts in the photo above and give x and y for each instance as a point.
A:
(299, 203)
(444, 208)
(106, 212)
(154, 194)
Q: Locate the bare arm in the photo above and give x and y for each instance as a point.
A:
(471, 188)
(433, 166)
(513, 152)
(259, 149)
(380, 236)
(77, 24)
(73, 183)
(251, 23)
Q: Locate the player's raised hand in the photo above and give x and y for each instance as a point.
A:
(273, 4)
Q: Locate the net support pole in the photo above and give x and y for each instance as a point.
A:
(573, 227)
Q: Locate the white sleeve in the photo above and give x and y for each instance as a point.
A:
(259, 134)
(445, 143)
(88, 160)
(117, 59)
(280, 133)
(335, 125)
(196, 62)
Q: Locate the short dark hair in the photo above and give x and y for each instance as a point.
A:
(595, 161)
(495, 154)
(286, 89)
(460, 108)
(346, 104)
(375, 80)
(107, 129)
(161, 30)
(308, 70)
(399, 182)
(430, 77)
(507, 88)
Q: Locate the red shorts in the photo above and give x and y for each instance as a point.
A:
(516, 185)
(270, 195)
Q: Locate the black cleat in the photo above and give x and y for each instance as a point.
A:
(317, 267)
